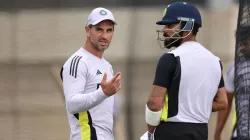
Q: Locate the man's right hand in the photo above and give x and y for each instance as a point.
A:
(111, 87)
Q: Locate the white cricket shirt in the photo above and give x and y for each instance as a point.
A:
(89, 110)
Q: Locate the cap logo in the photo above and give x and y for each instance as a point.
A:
(103, 12)
(164, 12)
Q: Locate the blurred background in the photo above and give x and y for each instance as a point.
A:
(38, 36)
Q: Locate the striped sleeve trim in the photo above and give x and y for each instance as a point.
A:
(74, 66)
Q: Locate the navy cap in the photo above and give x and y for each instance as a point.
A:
(180, 11)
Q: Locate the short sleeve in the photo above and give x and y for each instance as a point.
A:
(165, 70)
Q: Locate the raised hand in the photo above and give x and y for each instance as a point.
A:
(111, 87)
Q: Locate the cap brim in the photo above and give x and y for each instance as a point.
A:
(102, 19)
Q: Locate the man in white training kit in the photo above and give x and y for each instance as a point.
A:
(188, 83)
(89, 84)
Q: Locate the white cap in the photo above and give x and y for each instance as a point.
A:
(99, 14)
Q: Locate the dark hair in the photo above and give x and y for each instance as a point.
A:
(195, 29)
(90, 26)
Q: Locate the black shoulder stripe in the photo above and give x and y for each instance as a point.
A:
(71, 65)
(77, 66)
(74, 66)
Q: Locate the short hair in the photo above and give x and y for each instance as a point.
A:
(195, 29)
(90, 26)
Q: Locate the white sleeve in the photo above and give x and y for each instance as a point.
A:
(74, 84)
(229, 79)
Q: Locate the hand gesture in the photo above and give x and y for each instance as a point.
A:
(111, 87)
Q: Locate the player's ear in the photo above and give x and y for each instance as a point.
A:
(87, 30)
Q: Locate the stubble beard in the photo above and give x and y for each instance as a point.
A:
(100, 48)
